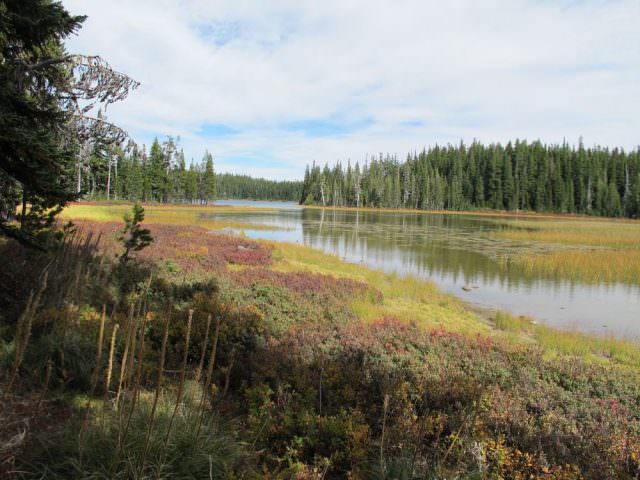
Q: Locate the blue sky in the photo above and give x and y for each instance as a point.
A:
(269, 87)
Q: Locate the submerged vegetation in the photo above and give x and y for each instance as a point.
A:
(211, 355)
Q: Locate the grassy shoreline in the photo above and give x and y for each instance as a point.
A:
(409, 299)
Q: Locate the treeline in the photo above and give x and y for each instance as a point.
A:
(516, 176)
(162, 175)
(246, 187)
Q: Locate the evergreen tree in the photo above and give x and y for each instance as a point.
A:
(208, 179)
(519, 176)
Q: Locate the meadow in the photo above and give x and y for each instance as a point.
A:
(215, 356)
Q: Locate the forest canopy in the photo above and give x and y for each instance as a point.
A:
(163, 175)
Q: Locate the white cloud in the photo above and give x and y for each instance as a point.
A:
(411, 73)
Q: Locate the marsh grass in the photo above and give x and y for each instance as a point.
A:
(590, 266)
(595, 233)
(563, 342)
(598, 348)
(510, 323)
(594, 251)
(415, 301)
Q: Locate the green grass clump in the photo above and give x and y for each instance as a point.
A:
(623, 352)
(506, 322)
(193, 449)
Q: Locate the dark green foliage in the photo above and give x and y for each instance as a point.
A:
(245, 187)
(134, 238)
(49, 131)
(71, 354)
(518, 176)
(163, 176)
(37, 155)
(211, 451)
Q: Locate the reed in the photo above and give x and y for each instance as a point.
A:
(591, 266)
(595, 233)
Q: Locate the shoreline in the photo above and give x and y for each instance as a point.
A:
(480, 213)
(410, 298)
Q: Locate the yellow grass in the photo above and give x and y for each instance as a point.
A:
(167, 214)
(510, 323)
(563, 342)
(591, 266)
(600, 250)
(595, 233)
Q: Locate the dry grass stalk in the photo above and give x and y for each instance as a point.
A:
(130, 331)
(23, 329)
(385, 408)
(45, 387)
(99, 344)
(163, 353)
(227, 377)
(111, 353)
(96, 376)
(182, 377)
(204, 350)
(207, 382)
(135, 393)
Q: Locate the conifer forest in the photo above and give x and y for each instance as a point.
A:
(518, 176)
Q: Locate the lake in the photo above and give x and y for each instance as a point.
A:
(453, 251)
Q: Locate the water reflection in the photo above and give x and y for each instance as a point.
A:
(453, 251)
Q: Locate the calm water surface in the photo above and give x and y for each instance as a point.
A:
(452, 251)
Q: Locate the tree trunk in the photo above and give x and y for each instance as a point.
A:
(108, 178)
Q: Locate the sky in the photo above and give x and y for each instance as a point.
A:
(270, 86)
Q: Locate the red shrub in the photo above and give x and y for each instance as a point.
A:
(302, 282)
(189, 247)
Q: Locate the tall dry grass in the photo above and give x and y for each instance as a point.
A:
(591, 266)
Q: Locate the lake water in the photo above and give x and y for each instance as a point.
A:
(452, 251)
